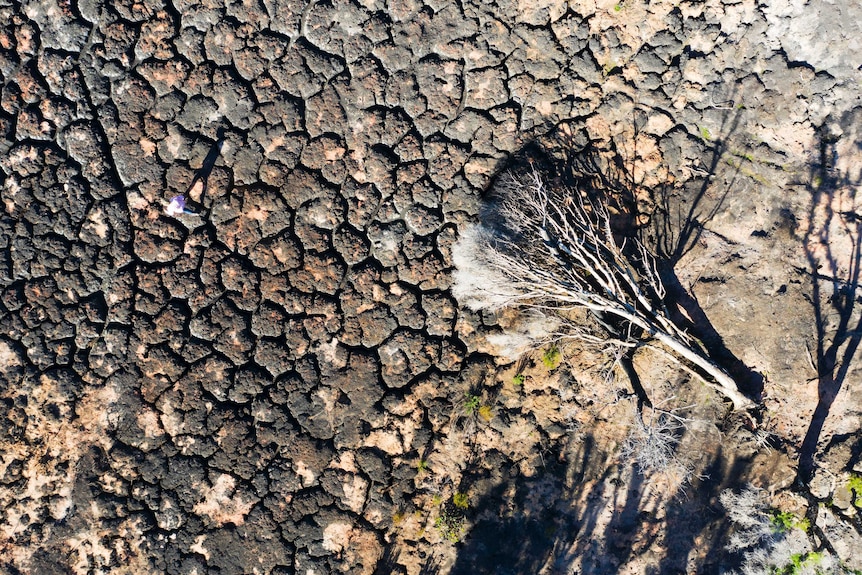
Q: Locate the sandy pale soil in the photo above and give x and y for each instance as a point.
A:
(281, 381)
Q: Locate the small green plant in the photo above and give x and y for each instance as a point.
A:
(519, 379)
(552, 357)
(436, 500)
(704, 133)
(460, 500)
(486, 413)
(471, 404)
(421, 466)
(450, 525)
(618, 7)
(784, 521)
(854, 486)
(609, 68)
(798, 562)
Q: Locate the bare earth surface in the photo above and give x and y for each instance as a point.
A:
(283, 382)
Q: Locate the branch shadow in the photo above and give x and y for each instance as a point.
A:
(688, 520)
(523, 524)
(594, 516)
(833, 250)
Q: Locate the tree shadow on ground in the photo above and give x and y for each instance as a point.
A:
(676, 227)
(833, 249)
(522, 523)
(595, 515)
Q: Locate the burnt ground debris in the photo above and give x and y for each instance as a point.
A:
(255, 388)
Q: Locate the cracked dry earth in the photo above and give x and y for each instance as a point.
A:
(283, 383)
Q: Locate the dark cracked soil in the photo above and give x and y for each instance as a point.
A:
(282, 382)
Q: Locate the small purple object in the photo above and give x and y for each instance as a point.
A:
(177, 206)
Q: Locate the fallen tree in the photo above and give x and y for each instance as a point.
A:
(553, 250)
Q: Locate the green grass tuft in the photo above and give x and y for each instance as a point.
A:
(552, 357)
(460, 500)
(471, 404)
